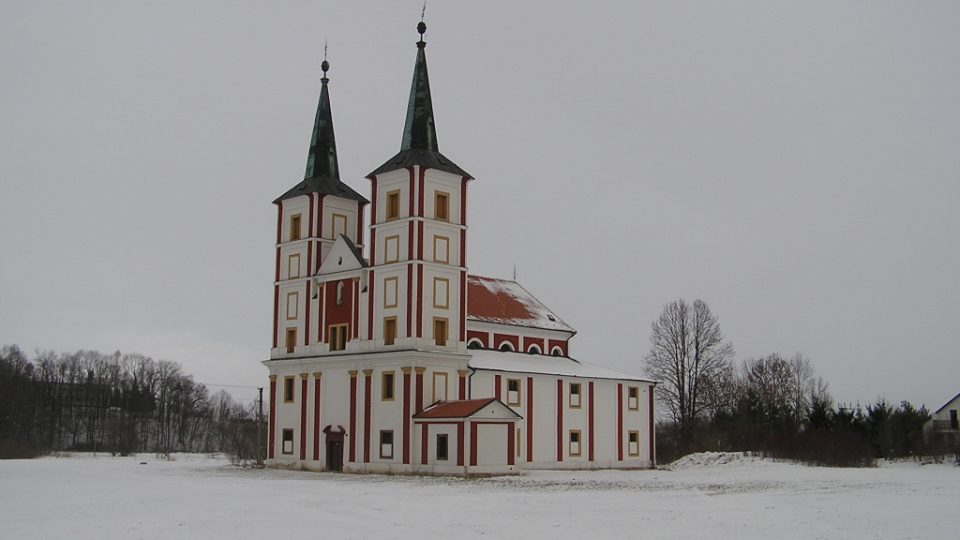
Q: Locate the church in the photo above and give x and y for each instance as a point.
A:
(390, 357)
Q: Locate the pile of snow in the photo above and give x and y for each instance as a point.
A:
(703, 460)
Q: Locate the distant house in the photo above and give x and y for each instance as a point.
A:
(943, 425)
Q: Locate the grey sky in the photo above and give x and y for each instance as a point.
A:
(793, 164)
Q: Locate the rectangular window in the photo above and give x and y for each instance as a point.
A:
(339, 225)
(633, 398)
(439, 386)
(441, 206)
(292, 302)
(386, 444)
(294, 227)
(389, 330)
(441, 293)
(441, 446)
(393, 204)
(440, 331)
(337, 337)
(633, 446)
(513, 392)
(441, 249)
(287, 446)
(390, 287)
(293, 266)
(391, 249)
(291, 339)
(574, 395)
(386, 386)
(574, 442)
(288, 389)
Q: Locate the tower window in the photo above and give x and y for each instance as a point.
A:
(441, 206)
(440, 331)
(294, 227)
(393, 204)
(389, 330)
(387, 386)
(288, 389)
(291, 339)
(337, 337)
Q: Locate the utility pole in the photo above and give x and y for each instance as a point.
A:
(259, 426)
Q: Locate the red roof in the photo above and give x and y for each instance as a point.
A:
(502, 301)
(454, 409)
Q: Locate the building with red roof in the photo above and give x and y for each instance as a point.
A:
(387, 356)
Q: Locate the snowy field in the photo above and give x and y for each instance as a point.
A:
(704, 496)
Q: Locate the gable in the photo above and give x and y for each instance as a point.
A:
(342, 257)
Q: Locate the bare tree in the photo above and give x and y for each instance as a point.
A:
(803, 377)
(690, 359)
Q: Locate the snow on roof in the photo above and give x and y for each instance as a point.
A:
(463, 408)
(548, 365)
(501, 301)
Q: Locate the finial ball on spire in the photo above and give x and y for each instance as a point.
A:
(422, 28)
(325, 66)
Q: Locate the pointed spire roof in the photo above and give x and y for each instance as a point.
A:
(323, 172)
(419, 143)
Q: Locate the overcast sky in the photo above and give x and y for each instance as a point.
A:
(795, 165)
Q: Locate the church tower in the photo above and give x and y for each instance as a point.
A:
(313, 217)
(418, 235)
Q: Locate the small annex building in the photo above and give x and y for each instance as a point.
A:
(388, 356)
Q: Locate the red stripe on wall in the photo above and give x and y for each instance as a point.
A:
(409, 241)
(420, 301)
(410, 300)
(419, 390)
(462, 390)
(353, 418)
(310, 257)
(370, 306)
(360, 206)
(277, 278)
(279, 221)
(276, 313)
(412, 210)
(511, 441)
(367, 381)
(273, 417)
(373, 221)
(460, 444)
(559, 420)
(355, 306)
(463, 306)
(473, 444)
(653, 447)
(310, 213)
(306, 320)
(303, 418)
(406, 417)
(423, 171)
(496, 386)
(316, 417)
(463, 202)
(424, 442)
(420, 241)
(590, 421)
(319, 221)
(619, 421)
(529, 419)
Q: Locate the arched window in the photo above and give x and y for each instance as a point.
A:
(556, 352)
(340, 293)
(533, 349)
(506, 346)
(474, 344)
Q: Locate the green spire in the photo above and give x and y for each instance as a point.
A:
(419, 130)
(322, 158)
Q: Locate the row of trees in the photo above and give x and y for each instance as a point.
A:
(773, 404)
(117, 403)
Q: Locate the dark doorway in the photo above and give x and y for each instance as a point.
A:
(953, 420)
(334, 439)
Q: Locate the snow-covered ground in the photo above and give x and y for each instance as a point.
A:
(703, 496)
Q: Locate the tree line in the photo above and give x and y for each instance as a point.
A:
(115, 403)
(776, 405)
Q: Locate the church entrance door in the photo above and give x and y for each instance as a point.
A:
(334, 448)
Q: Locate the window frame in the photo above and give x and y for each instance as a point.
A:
(633, 401)
(384, 455)
(333, 224)
(290, 343)
(519, 391)
(295, 303)
(446, 331)
(445, 251)
(630, 450)
(394, 340)
(387, 304)
(284, 440)
(332, 336)
(446, 282)
(437, 375)
(437, 196)
(445, 456)
(395, 238)
(390, 213)
(578, 393)
(388, 391)
(578, 442)
(295, 227)
(290, 383)
(291, 266)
